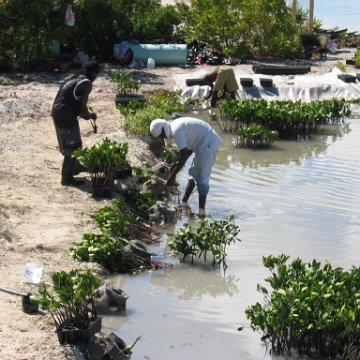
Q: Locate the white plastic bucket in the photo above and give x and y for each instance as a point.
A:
(150, 63)
(33, 272)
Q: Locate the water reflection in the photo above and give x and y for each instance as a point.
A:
(281, 152)
(195, 283)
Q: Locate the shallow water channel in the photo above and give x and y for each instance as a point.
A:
(301, 198)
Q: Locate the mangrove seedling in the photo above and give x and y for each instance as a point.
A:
(70, 301)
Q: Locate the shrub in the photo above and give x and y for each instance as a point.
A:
(313, 308)
(25, 34)
(165, 100)
(159, 104)
(117, 226)
(357, 57)
(139, 122)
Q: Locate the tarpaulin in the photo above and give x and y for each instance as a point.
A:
(306, 87)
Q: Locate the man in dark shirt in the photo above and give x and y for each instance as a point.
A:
(69, 104)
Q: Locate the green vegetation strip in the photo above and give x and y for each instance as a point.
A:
(290, 119)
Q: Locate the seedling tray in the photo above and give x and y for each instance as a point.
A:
(193, 82)
(281, 69)
(347, 78)
(266, 82)
(247, 82)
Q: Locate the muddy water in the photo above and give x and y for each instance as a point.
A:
(301, 198)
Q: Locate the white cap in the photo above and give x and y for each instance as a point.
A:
(156, 128)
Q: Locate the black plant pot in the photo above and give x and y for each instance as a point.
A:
(102, 186)
(73, 336)
(247, 82)
(193, 82)
(124, 100)
(123, 173)
(29, 306)
(266, 83)
(347, 78)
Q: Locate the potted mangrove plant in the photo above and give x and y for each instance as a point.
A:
(103, 161)
(254, 136)
(71, 304)
(126, 87)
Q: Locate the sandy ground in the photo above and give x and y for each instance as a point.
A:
(39, 219)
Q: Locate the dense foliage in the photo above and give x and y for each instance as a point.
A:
(313, 308)
(24, 39)
(231, 26)
(28, 28)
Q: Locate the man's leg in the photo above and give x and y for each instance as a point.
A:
(67, 173)
(189, 189)
(79, 168)
(202, 201)
(214, 98)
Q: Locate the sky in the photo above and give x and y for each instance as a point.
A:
(344, 14)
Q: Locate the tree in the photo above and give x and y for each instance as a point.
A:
(233, 26)
(25, 33)
(215, 22)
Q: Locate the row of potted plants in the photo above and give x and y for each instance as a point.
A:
(117, 224)
(290, 119)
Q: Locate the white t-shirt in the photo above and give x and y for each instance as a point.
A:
(194, 134)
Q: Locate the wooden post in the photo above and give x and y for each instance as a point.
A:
(294, 7)
(311, 15)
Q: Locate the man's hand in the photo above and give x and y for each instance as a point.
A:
(173, 166)
(171, 182)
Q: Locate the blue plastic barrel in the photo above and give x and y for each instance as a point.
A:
(163, 54)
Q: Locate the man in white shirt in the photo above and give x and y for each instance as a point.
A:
(191, 136)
